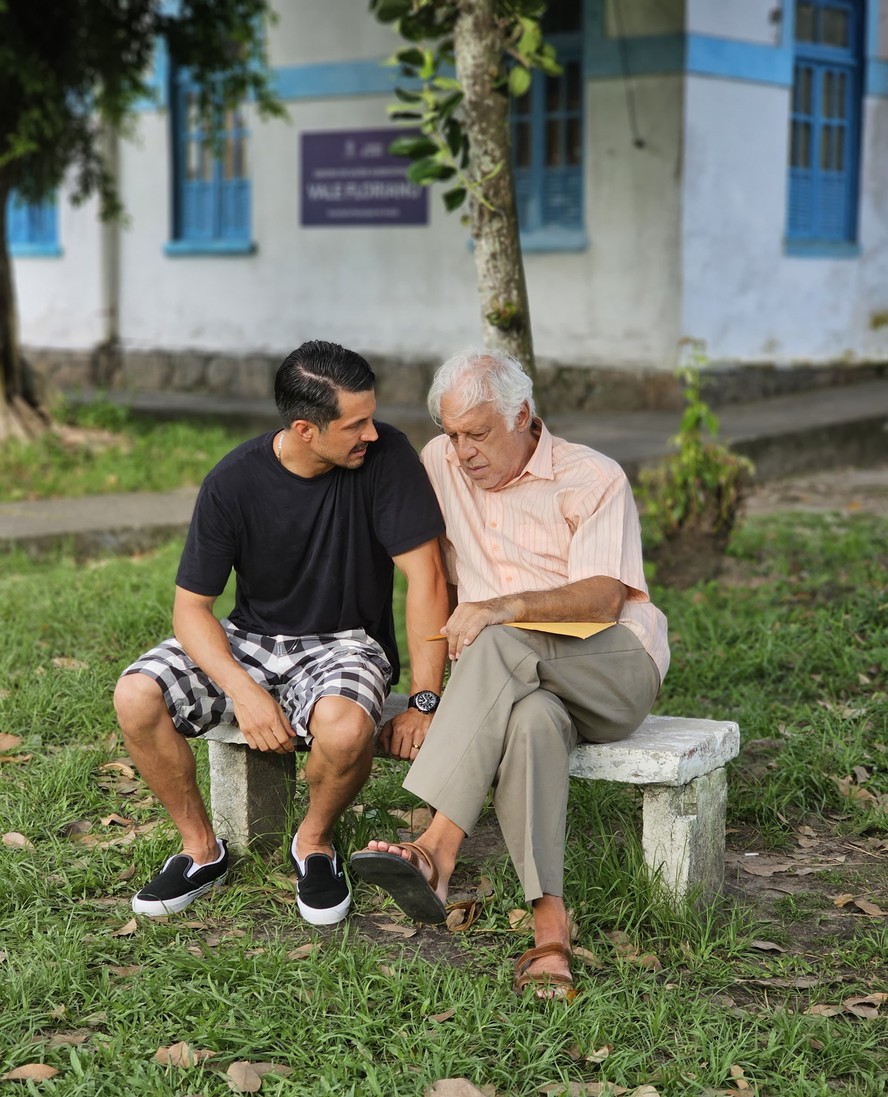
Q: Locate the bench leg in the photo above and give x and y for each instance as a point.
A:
(684, 834)
(250, 794)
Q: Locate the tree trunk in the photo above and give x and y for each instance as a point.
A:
(505, 313)
(20, 414)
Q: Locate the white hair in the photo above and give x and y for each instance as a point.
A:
(482, 376)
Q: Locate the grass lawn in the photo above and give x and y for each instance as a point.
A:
(782, 991)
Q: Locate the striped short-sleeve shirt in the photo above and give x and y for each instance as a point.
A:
(568, 515)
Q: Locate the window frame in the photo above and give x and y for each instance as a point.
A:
(823, 200)
(539, 233)
(32, 228)
(213, 214)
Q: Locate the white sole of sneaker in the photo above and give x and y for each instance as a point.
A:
(155, 908)
(324, 916)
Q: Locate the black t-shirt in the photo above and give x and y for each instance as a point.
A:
(310, 555)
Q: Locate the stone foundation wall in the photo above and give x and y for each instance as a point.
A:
(561, 386)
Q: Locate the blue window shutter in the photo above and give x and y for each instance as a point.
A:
(211, 191)
(31, 224)
(547, 127)
(825, 120)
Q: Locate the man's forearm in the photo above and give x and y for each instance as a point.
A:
(597, 599)
(204, 640)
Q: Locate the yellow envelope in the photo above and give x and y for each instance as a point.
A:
(581, 629)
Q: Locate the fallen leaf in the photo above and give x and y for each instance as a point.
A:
(870, 908)
(739, 1080)
(843, 900)
(485, 887)
(8, 741)
(766, 946)
(181, 1055)
(126, 930)
(462, 915)
(645, 1091)
(115, 820)
(519, 919)
(68, 1039)
(760, 868)
(587, 957)
(445, 1016)
(243, 1077)
(393, 927)
(76, 828)
(302, 951)
(30, 1072)
(584, 1089)
(17, 841)
(125, 972)
(866, 1006)
(15, 759)
(417, 819)
(64, 662)
(454, 1087)
(600, 1055)
(119, 767)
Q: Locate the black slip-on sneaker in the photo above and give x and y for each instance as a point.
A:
(178, 884)
(322, 892)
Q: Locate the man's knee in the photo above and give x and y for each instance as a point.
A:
(341, 728)
(138, 699)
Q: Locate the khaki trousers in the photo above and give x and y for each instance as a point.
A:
(511, 714)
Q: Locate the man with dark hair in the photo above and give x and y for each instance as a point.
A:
(311, 518)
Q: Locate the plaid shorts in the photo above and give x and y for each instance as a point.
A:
(295, 670)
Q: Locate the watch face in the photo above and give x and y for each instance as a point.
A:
(425, 700)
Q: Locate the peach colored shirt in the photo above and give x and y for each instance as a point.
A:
(568, 515)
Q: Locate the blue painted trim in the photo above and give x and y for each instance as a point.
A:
(176, 249)
(819, 249)
(735, 60)
(35, 251)
(876, 80)
(336, 78)
(554, 239)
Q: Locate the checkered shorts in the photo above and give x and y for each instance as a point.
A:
(296, 670)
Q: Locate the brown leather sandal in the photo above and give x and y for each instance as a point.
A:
(561, 986)
(403, 880)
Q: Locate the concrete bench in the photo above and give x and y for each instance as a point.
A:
(680, 764)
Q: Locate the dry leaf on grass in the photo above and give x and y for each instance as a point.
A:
(126, 930)
(393, 927)
(588, 957)
(457, 1087)
(520, 919)
(14, 840)
(246, 1077)
(8, 741)
(766, 946)
(586, 1089)
(181, 1054)
(64, 662)
(865, 1006)
(14, 759)
(445, 1016)
(462, 915)
(303, 951)
(30, 1072)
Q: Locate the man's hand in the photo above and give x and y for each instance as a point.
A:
(470, 618)
(262, 721)
(405, 733)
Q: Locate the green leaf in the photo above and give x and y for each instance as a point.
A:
(519, 81)
(410, 56)
(454, 198)
(397, 115)
(429, 171)
(447, 106)
(447, 83)
(453, 132)
(387, 11)
(408, 96)
(414, 147)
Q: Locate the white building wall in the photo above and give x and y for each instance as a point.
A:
(60, 300)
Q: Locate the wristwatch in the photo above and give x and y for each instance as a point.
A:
(425, 701)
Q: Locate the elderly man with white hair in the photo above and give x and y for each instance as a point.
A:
(539, 531)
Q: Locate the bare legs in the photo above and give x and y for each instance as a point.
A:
(337, 767)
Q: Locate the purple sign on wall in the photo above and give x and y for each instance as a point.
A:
(350, 178)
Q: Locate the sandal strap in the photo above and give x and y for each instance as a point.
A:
(430, 864)
(553, 948)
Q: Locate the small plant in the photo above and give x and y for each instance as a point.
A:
(691, 500)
